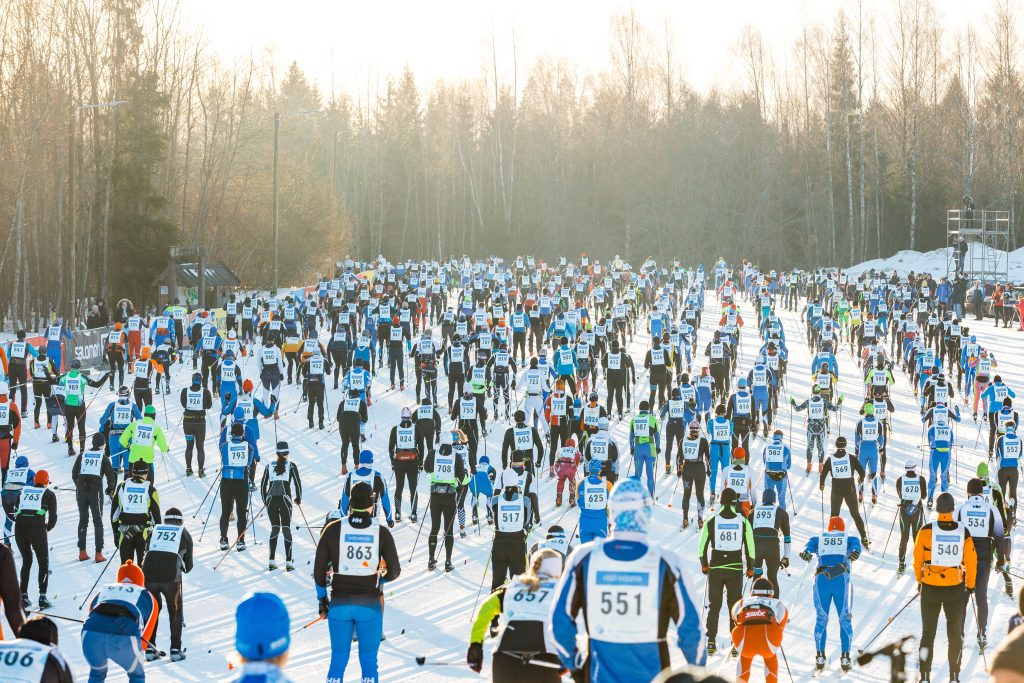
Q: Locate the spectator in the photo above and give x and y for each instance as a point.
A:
(1020, 310)
(104, 313)
(978, 300)
(92, 321)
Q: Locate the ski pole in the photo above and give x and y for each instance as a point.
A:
(303, 628)
(416, 542)
(208, 514)
(888, 621)
(487, 566)
(796, 507)
(891, 527)
(422, 661)
(200, 507)
(239, 537)
(786, 662)
(821, 492)
(97, 581)
(981, 630)
(306, 521)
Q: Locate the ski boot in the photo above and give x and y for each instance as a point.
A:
(82, 556)
(54, 439)
(272, 565)
(26, 602)
(449, 567)
(686, 521)
(845, 662)
(99, 557)
(202, 474)
(398, 516)
(44, 602)
(152, 654)
(177, 655)
(289, 566)
(412, 518)
(700, 521)
(240, 546)
(712, 648)
(558, 500)
(462, 531)
(224, 544)
(982, 638)
(901, 567)
(188, 471)
(734, 652)
(431, 564)
(819, 661)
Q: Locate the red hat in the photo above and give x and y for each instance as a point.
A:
(247, 386)
(129, 571)
(836, 524)
(42, 478)
(570, 441)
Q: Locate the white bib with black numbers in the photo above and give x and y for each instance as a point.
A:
(358, 549)
(165, 538)
(728, 534)
(523, 439)
(143, 434)
(841, 468)
(193, 400)
(622, 597)
(764, 516)
(467, 409)
(522, 604)
(405, 438)
(23, 661)
(238, 454)
(134, 498)
(31, 499)
(92, 463)
(977, 520)
(947, 547)
(910, 489)
(511, 514)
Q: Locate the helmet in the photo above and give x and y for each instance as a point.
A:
(76, 364)
(197, 378)
(763, 588)
(594, 466)
(631, 507)
(593, 396)
(122, 392)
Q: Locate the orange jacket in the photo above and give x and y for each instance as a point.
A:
(932, 575)
(760, 623)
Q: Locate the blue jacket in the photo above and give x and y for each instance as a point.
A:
(621, 662)
(254, 454)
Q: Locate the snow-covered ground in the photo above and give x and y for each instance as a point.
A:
(428, 613)
(937, 262)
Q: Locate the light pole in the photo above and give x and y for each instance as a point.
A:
(73, 199)
(277, 181)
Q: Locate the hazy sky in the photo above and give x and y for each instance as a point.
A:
(346, 42)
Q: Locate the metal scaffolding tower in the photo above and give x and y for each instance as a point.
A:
(986, 235)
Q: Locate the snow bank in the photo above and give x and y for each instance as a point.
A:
(936, 262)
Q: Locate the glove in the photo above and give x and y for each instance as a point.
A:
(703, 568)
(784, 563)
(298, 502)
(513, 386)
(227, 397)
(14, 445)
(391, 524)
(325, 606)
(841, 397)
(970, 591)
(855, 555)
(792, 401)
(805, 556)
(821, 488)
(475, 656)
(758, 571)
(750, 573)
(273, 400)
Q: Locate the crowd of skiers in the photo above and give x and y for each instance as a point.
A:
(542, 355)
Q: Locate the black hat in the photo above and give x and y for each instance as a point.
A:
(360, 497)
(945, 503)
(140, 467)
(975, 486)
(97, 440)
(282, 448)
(40, 629)
(729, 496)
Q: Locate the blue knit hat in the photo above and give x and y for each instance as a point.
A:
(631, 507)
(768, 497)
(262, 627)
(594, 466)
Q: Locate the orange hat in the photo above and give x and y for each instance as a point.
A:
(129, 571)
(560, 384)
(247, 386)
(144, 354)
(42, 478)
(836, 524)
(118, 326)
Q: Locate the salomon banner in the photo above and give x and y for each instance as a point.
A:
(88, 346)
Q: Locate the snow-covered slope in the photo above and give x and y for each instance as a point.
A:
(936, 262)
(428, 613)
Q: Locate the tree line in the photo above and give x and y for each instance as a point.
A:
(122, 133)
